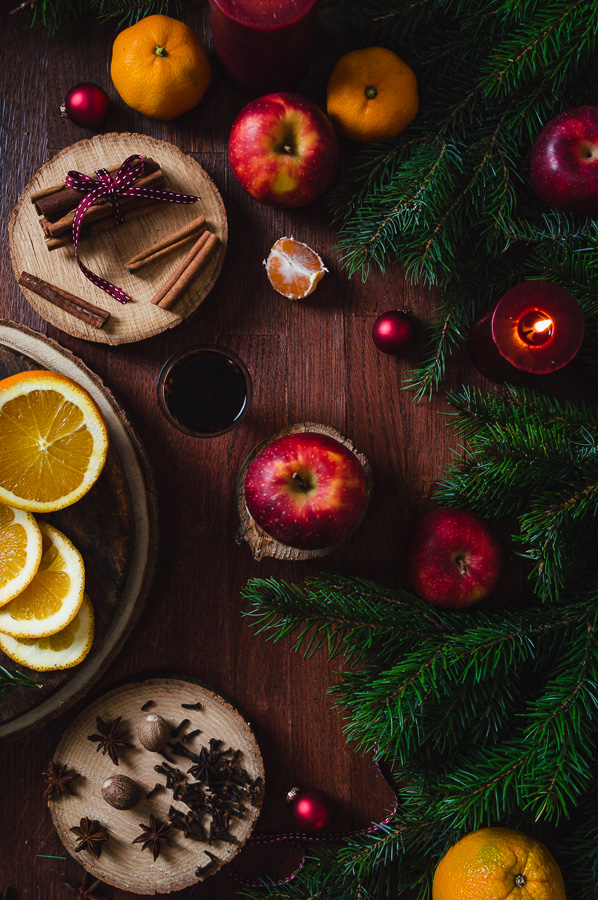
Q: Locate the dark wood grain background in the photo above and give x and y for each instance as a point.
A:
(310, 361)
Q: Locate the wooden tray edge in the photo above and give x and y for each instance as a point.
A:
(58, 702)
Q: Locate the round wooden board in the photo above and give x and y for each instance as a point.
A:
(105, 253)
(249, 532)
(122, 863)
(114, 526)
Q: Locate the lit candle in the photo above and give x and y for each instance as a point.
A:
(263, 45)
(535, 327)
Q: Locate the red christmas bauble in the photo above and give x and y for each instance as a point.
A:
(312, 809)
(86, 104)
(393, 332)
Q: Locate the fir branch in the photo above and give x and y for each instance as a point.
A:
(487, 84)
(531, 671)
(531, 457)
(56, 14)
(11, 680)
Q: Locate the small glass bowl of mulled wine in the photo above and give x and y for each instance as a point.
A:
(204, 390)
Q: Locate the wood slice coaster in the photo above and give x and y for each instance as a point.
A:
(106, 253)
(122, 863)
(114, 527)
(249, 532)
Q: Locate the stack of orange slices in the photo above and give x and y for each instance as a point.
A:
(53, 445)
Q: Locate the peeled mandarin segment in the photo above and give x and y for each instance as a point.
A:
(53, 441)
(63, 650)
(53, 597)
(20, 551)
(294, 269)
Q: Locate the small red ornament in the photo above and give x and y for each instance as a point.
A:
(393, 332)
(86, 104)
(312, 809)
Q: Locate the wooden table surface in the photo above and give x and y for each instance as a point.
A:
(310, 361)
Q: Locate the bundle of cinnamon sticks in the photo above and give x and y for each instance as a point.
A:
(190, 265)
(56, 206)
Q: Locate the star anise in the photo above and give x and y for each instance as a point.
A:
(109, 739)
(154, 836)
(83, 890)
(90, 836)
(59, 780)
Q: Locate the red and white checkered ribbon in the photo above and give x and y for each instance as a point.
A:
(113, 188)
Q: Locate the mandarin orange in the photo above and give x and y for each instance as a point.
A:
(371, 95)
(293, 268)
(160, 68)
(496, 863)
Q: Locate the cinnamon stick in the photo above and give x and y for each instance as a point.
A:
(102, 210)
(53, 202)
(182, 266)
(81, 309)
(102, 225)
(196, 264)
(169, 242)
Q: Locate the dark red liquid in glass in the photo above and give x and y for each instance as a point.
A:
(206, 392)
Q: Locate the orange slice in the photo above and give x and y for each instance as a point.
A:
(293, 268)
(63, 650)
(54, 597)
(20, 551)
(53, 441)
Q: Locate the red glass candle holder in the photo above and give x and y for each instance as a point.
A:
(263, 45)
(535, 327)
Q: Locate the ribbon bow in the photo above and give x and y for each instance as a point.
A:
(113, 188)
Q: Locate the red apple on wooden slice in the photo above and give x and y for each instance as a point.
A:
(283, 150)
(564, 161)
(454, 558)
(306, 490)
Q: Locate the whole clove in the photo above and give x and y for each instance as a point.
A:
(209, 867)
(180, 727)
(157, 787)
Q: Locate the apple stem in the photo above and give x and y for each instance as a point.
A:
(462, 565)
(300, 482)
(287, 149)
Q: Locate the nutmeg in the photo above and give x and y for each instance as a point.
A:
(154, 733)
(120, 791)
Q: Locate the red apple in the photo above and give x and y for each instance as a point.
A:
(564, 162)
(306, 490)
(283, 150)
(454, 558)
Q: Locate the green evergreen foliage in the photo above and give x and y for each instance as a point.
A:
(10, 680)
(451, 196)
(55, 14)
(535, 459)
(485, 716)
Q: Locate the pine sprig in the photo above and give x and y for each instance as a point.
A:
(530, 457)
(490, 718)
(450, 196)
(11, 680)
(56, 14)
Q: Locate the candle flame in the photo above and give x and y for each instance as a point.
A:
(542, 325)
